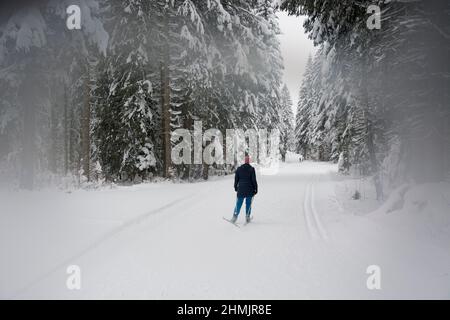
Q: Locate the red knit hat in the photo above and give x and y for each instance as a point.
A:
(247, 159)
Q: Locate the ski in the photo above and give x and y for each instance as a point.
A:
(233, 223)
(246, 223)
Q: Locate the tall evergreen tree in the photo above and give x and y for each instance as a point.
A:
(287, 122)
(380, 91)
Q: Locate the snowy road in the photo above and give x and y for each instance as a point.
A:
(169, 241)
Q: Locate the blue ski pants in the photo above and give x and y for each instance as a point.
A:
(248, 205)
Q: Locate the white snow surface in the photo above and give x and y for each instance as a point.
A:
(308, 239)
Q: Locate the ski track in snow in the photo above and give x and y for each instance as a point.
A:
(321, 230)
(313, 222)
(307, 212)
(179, 247)
(107, 236)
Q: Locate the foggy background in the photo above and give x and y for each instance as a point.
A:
(295, 48)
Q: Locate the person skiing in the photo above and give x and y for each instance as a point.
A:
(246, 187)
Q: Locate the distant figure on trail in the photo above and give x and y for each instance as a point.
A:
(246, 187)
(300, 159)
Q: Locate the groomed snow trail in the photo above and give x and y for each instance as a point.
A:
(169, 241)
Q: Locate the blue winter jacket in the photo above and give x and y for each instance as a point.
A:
(245, 181)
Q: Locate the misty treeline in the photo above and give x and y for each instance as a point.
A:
(377, 101)
(101, 102)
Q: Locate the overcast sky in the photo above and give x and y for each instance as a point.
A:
(295, 48)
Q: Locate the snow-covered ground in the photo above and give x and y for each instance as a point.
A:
(308, 239)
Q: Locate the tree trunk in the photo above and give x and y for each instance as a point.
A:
(375, 170)
(53, 137)
(373, 161)
(85, 130)
(70, 140)
(28, 139)
(205, 173)
(28, 95)
(165, 99)
(66, 133)
(165, 108)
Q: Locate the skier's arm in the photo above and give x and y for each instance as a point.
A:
(236, 181)
(255, 184)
